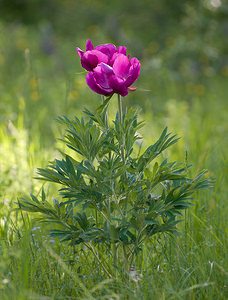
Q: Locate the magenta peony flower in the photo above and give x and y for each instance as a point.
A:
(111, 71)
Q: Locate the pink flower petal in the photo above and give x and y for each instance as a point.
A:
(121, 65)
(118, 85)
(101, 56)
(90, 80)
(89, 61)
(80, 52)
(113, 58)
(108, 49)
(133, 73)
(122, 50)
(89, 45)
(134, 61)
(106, 68)
(101, 74)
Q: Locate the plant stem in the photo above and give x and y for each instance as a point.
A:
(106, 114)
(132, 258)
(90, 247)
(126, 265)
(115, 257)
(120, 108)
(121, 122)
(122, 142)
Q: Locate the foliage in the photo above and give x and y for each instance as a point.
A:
(192, 266)
(111, 196)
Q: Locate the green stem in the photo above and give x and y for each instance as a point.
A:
(106, 114)
(121, 122)
(107, 218)
(132, 258)
(117, 202)
(115, 258)
(122, 143)
(120, 108)
(126, 265)
(90, 247)
(107, 125)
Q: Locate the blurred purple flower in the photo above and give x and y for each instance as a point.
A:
(111, 71)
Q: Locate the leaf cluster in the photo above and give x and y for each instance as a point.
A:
(114, 195)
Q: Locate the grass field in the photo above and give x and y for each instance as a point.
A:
(33, 93)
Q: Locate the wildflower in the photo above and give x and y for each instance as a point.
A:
(110, 69)
(35, 228)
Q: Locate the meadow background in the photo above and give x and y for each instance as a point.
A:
(183, 47)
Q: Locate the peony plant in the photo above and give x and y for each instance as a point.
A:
(113, 196)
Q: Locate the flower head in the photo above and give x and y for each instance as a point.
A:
(110, 69)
